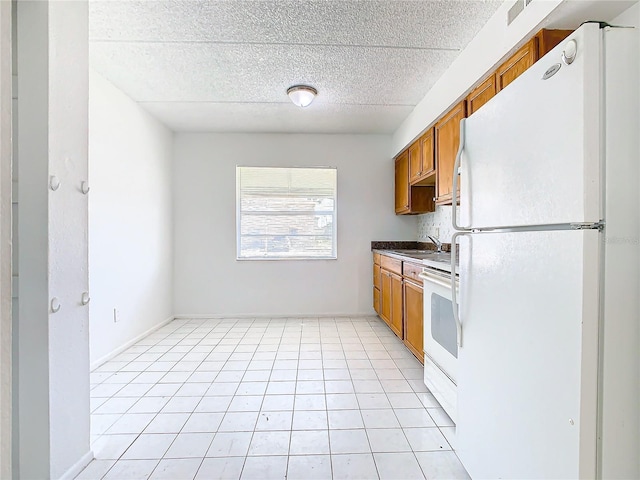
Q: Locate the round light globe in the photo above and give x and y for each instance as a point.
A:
(302, 95)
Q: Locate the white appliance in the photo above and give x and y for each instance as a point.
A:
(440, 336)
(547, 373)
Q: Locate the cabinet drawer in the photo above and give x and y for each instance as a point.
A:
(412, 271)
(391, 264)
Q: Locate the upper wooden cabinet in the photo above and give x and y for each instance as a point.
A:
(415, 161)
(519, 62)
(481, 94)
(549, 39)
(422, 164)
(429, 160)
(543, 42)
(447, 144)
(402, 183)
(411, 199)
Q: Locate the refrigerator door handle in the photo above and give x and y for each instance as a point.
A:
(456, 167)
(454, 295)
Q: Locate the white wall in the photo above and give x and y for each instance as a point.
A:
(209, 280)
(130, 219)
(15, 444)
(52, 141)
(5, 242)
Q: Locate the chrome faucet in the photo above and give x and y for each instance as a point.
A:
(436, 242)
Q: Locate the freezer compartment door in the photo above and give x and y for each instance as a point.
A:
(532, 153)
(527, 373)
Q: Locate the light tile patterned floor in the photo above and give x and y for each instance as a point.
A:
(268, 398)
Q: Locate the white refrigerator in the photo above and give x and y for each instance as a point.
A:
(549, 260)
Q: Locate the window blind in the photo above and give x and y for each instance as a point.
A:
(286, 213)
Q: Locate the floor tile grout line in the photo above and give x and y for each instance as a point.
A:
(315, 340)
(139, 434)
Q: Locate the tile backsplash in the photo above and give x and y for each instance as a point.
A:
(436, 224)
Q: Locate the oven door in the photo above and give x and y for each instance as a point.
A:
(440, 334)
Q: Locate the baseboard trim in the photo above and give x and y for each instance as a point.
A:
(131, 342)
(80, 465)
(201, 316)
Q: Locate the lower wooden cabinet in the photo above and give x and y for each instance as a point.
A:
(391, 301)
(397, 298)
(377, 278)
(396, 305)
(413, 318)
(376, 300)
(385, 297)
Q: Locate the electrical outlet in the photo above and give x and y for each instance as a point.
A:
(436, 232)
(116, 315)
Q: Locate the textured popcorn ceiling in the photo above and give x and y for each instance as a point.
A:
(225, 65)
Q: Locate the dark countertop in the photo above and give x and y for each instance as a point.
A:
(416, 252)
(407, 245)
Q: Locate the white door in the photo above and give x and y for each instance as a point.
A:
(527, 386)
(532, 154)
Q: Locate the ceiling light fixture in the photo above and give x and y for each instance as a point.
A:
(302, 95)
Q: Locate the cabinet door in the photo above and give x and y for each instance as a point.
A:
(428, 154)
(447, 143)
(396, 323)
(517, 64)
(402, 183)
(385, 296)
(548, 39)
(415, 161)
(413, 319)
(422, 164)
(481, 95)
(376, 300)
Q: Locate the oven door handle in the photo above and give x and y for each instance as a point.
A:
(436, 279)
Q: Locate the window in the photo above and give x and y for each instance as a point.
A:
(286, 212)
